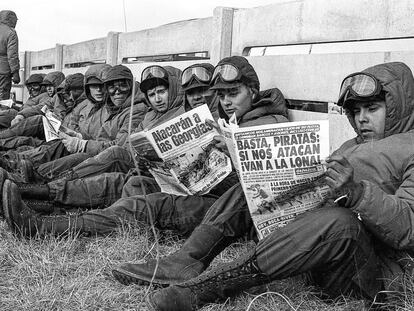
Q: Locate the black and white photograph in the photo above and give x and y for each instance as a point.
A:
(303, 199)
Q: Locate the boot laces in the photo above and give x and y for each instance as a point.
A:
(231, 276)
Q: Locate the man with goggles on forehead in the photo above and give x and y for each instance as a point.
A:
(37, 94)
(195, 81)
(240, 95)
(359, 244)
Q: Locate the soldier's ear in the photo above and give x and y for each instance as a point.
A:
(254, 94)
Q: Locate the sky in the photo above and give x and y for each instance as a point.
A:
(43, 23)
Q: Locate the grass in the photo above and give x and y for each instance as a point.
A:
(74, 273)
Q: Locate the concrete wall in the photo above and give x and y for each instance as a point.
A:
(230, 31)
(181, 37)
(42, 58)
(91, 50)
(304, 21)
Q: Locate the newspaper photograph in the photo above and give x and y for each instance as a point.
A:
(281, 169)
(53, 128)
(51, 125)
(182, 153)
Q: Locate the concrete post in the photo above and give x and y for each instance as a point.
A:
(59, 57)
(112, 48)
(222, 33)
(27, 72)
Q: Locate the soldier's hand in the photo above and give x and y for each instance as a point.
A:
(340, 178)
(17, 119)
(220, 143)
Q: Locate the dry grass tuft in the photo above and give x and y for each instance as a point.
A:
(74, 273)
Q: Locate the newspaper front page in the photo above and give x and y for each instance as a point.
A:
(53, 127)
(188, 161)
(8, 103)
(280, 167)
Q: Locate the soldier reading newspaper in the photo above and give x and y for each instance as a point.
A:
(273, 161)
(181, 153)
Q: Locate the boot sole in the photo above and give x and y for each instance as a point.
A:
(127, 278)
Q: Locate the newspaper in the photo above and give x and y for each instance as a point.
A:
(280, 167)
(53, 127)
(181, 153)
(7, 103)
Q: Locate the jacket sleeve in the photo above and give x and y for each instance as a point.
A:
(30, 103)
(59, 107)
(13, 52)
(93, 147)
(390, 217)
(37, 109)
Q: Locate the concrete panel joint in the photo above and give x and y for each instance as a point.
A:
(59, 57)
(112, 48)
(221, 33)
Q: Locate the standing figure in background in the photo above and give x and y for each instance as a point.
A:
(9, 53)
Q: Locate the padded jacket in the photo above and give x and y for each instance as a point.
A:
(385, 168)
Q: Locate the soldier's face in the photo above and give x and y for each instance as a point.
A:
(97, 92)
(158, 98)
(370, 119)
(34, 89)
(236, 100)
(50, 89)
(198, 96)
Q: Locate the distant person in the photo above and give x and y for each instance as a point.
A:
(37, 94)
(9, 53)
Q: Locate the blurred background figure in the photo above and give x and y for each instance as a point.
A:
(9, 53)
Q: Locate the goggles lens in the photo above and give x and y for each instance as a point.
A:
(153, 72)
(35, 87)
(227, 72)
(201, 73)
(122, 87)
(359, 84)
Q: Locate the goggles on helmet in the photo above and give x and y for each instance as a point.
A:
(199, 73)
(359, 84)
(121, 86)
(35, 87)
(227, 73)
(154, 72)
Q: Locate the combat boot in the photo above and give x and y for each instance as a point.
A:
(24, 221)
(34, 191)
(212, 286)
(19, 217)
(41, 206)
(28, 172)
(192, 259)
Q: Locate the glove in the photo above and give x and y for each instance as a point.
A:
(17, 119)
(16, 77)
(74, 144)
